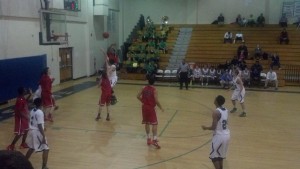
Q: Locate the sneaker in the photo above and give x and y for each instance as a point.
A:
(97, 118)
(243, 114)
(155, 143)
(107, 118)
(149, 141)
(56, 107)
(23, 146)
(45, 167)
(10, 147)
(233, 110)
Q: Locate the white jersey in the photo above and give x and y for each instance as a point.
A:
(197, 73)
(222, 126)
(237, 87)
(205, 71)
(36, 118)
(111, 71)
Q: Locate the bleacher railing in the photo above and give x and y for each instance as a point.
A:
(292, 73)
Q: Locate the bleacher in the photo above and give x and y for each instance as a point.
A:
(206, 45)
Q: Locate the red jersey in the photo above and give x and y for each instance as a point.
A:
(105, 86)
(21, 123)
(148, 96)
(46, 84)
(21, 107)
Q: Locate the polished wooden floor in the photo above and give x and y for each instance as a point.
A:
(268, 138)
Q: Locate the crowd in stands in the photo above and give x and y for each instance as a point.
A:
(144, 52)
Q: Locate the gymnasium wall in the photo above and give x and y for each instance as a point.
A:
(19, 27)
(198, 11)
(18, 72)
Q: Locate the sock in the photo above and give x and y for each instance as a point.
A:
(154, 137)
(148, 136)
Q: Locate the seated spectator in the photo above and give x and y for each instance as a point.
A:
(244, 22)
(238, 37)
(271, 77)
(221, 19)
(197, 75)
(257, 52)
(234, 61)
(162, 46)
(242, 65)
(239, 20)
(243, 48)
(228, 37)
(251, 21)
(219, 73)
(205, 73)
(226, 79)
(283, 21)
(275, 61)
(212, 73)
(256, 69)
(260, 21)
(284, 37)
(246, 76)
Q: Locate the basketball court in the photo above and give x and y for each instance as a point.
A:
(266, 139)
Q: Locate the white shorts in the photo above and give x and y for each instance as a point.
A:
(237, 95)
(113, 81)
(34, 141)
(219, 146)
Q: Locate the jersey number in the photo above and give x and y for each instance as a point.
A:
(224, 124)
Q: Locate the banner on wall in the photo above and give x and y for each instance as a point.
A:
(288, 9)
(297, 9)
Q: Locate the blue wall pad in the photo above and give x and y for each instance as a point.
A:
(25, 71)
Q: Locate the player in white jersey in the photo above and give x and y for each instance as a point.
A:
(221, 133)
(112, 76)
(36, 139)
(238, 93)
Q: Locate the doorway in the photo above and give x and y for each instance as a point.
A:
(66, 64)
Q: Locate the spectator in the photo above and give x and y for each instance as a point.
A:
(275, 61)
(212, 73)
(283, 21)
(260, 21)
(246, 76)
(251, 21)
(256, 69)
(226, 79)
(162, 46)
(271, 77)
(239, 37)
(257, 52)
(284, 37)
(221, 19)
(197, 74)
(234, 61)
(228, 37)
(205, 73)
(242, 50)
(239, 20)
(244, 22)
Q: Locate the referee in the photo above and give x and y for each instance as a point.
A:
(183, 74)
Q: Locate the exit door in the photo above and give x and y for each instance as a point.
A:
(66, 65)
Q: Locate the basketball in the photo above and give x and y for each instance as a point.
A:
(105, 35)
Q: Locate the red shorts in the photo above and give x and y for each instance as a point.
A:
(47, 100)
(149, 115)
(21, 125)
(105, 99)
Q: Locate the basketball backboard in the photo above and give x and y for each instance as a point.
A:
(53, 27)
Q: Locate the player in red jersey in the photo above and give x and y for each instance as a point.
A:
(46, 94)
(106, 92)
(148, 96)
(21, 119)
